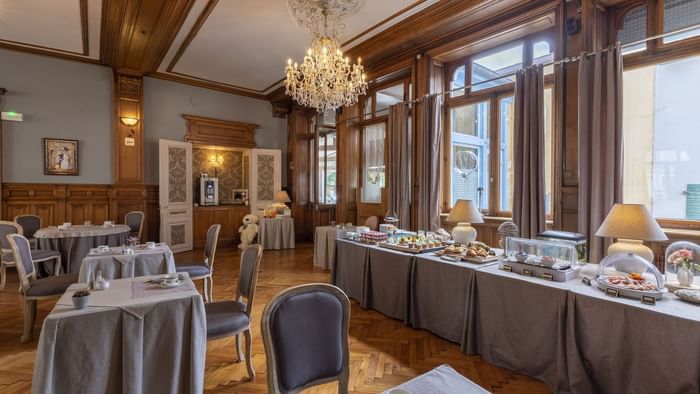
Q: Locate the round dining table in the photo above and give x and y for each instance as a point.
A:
(75, 242)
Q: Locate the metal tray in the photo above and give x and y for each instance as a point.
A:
(629, 293)
(407, 249)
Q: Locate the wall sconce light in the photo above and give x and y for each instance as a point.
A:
(129, 121)
(216, 160)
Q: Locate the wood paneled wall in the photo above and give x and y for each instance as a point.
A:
(59, 203)
(230, 217)
(128, 144)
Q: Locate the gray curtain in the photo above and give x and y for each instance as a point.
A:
(528, 152)
(430, 132)
(399, 142)
(599, 143)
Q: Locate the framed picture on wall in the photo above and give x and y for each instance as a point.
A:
(60, 157)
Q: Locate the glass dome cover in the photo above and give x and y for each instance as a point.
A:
(613, 273)
(682, 265)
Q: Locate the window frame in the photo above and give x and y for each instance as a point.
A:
(493, 95)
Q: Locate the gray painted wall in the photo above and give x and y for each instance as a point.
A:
(61, 99)
(73, 100)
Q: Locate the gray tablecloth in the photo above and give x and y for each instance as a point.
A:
(277, 233)
(389, 282)
(349, 270)
(324, 246)
(75, 243)
(439, 293)
(115, 265)
(126, 341)
(441, 380)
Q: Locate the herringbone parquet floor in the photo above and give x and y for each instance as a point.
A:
(384, 353)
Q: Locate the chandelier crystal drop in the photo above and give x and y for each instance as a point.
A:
(326, 79)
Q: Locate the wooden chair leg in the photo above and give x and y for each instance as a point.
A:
(3, 276)
(249, 354)
(211, 288)
(29, 317)
(239, 348)
(206, 289)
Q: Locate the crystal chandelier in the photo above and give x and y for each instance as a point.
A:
(325, 80)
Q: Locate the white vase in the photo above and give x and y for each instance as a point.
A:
(685, 276)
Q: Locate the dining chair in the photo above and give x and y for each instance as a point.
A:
(305, 333)
(204, 269)
(229, 318)
(7, 258)
(372, 222)
(34, 289)
(134, 220)
(30, 225)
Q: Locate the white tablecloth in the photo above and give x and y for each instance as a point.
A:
(133, 338)
(115, 265)
(441, 380)
(324, 246)
(81, 231)
(277, 233)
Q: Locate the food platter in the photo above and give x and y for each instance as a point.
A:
(412, 248)
(475, 252)
(604, 283)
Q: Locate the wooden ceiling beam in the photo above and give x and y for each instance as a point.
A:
(136, 34)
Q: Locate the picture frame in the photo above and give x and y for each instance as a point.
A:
(61, 157)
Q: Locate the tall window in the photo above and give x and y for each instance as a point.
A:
(661, 126)
(480, 124)
(327, 166)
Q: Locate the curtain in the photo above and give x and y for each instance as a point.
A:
(428, 157)
(399, 142)
(599, 143)
(528, 152)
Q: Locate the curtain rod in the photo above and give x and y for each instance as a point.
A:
(552, 63)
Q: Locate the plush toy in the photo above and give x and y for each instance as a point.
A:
(248, 231)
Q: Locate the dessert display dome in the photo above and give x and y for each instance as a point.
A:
(646, 282)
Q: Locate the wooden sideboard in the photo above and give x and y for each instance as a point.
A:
(230, 217)
(76, 203)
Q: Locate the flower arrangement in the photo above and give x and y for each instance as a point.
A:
(682, 258)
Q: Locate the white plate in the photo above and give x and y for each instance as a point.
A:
(673, 286)
(169, 285)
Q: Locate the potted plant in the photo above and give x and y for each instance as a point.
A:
(81, 298)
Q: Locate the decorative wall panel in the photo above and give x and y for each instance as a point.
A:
(177, 172)
(266, 177)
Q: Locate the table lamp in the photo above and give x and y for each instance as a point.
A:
(631, 224)
(282, 197)
(464, 213)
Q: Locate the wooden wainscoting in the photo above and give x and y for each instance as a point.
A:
(230, 217)
(59, 203)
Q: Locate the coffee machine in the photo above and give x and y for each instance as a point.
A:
(208, 190)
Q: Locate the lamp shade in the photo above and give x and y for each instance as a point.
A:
(465, 211)
(282, 197)
(631, 221)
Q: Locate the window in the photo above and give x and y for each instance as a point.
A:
(661, 136)
(679, 14)
(480, 124)
(327, 166)
(373, 137)
(634, 28)
(388, 97)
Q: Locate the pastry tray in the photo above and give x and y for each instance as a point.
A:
(409, 250)
(540, 272)
(629, 293)
(470, 259)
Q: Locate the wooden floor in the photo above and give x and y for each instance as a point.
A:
(383, 352)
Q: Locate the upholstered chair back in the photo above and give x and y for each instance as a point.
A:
(248, 275)
(23, 257)
(7, 228)
(30, 224)
(210, 245)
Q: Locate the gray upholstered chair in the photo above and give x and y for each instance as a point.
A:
(305, 332)
(134, 220)
(229, 318)
(204, 269)
(30, 225)
(7, 258)
(34, 289)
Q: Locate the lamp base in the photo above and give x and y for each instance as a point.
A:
(631, 246)
(463, 233)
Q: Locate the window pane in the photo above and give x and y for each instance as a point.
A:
(542, 54)
(661, 137)
(367, 111)
(491, 66)
(373, 165)
(458, 81)
(328, 118)
(321, 169)
(507, 136)
(469, 155)
(679, 14)
(634, 28)
(329, 178)
(387, 97)
(472, 119)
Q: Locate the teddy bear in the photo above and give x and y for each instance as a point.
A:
(248, 231)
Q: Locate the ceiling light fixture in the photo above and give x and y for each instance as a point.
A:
(325, 80)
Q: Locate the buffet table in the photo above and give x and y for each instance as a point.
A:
(75, 242)
(276, 233)
(115, 265)
(139, 339)
(572, 336)
(324, 246)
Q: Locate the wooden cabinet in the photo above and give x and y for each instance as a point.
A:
(230, 217)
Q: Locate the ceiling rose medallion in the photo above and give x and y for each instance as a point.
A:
(325, 80)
